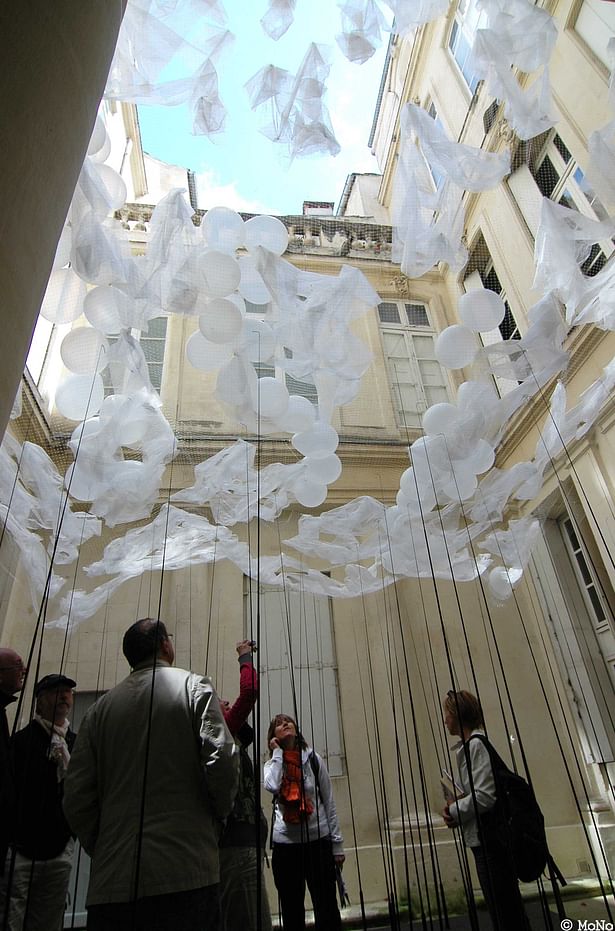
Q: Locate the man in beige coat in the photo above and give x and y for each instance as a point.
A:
(153, 772)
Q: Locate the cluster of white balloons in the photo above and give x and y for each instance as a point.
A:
(480, 311)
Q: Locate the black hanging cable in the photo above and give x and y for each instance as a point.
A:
(580, 485)
(378, 782)
(434, 860)
(139, 852)
(547, 705)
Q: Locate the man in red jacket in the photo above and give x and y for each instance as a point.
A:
(243, 841)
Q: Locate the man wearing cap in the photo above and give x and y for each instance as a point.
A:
(42, 841)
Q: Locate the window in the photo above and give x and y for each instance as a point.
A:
(298, 666)
(260, 309)
(595, 24)
(438, 178)
(481, 273)
(560, 179)
(307, 389)
(467, 20)
(573, 586)
(44, 363)
(403, 314)
(152, 343)
(587, 582)
(416, 377)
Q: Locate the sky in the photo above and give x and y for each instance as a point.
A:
(240, 168)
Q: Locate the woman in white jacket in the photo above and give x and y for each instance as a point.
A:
(476, 813)
(307, 843)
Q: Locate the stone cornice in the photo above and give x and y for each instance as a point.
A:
(343, 237)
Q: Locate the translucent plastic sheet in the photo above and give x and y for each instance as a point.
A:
(279, 18)
(157, 39)
(409, 14)
(601, 147)
(295, 112)
(563, 427)
(467, 167)
(522, 36)
(362, 26)
(563, 242)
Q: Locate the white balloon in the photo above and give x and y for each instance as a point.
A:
(85, 430)
(223, 229)
(268, 232)
(82, 479)
(463, 482)
(270, 398)
(481, 310)
(326, 470)
(417, 499)
(132, 427)
(456, 347)
(221, 321)
(501, 581)
(440, 419)
(482, 457)
(114, 185)
(97, 139)
(310, 494)
(238, 301)
(79, 396)
(206, 356)
(301, 414)
(62, 256)
(63, 301)
(251, 286)
(257, 341)
(232, 385)
(104, 152)
(128, 474)
(319, 441)
(220, 272)
(107, 309)
(84, 351)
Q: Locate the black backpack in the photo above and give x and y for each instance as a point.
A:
(518, 820)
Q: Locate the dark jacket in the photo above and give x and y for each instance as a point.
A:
(7, 781)
(41, 830)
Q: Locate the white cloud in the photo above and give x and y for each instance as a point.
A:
(211, 193)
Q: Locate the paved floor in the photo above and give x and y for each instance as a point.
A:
(582, 914)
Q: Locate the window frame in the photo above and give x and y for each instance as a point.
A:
(461, 26)
(410, 334)
(580, 198)
(306, 666)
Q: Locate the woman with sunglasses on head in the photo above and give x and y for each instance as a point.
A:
(474, 812)
(307, 843)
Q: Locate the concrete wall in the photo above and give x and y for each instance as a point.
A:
(55, 63)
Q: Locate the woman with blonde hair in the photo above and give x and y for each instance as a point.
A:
(307, 843)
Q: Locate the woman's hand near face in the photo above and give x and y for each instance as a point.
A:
(274, 744)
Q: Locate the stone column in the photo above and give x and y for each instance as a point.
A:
(55, 60)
